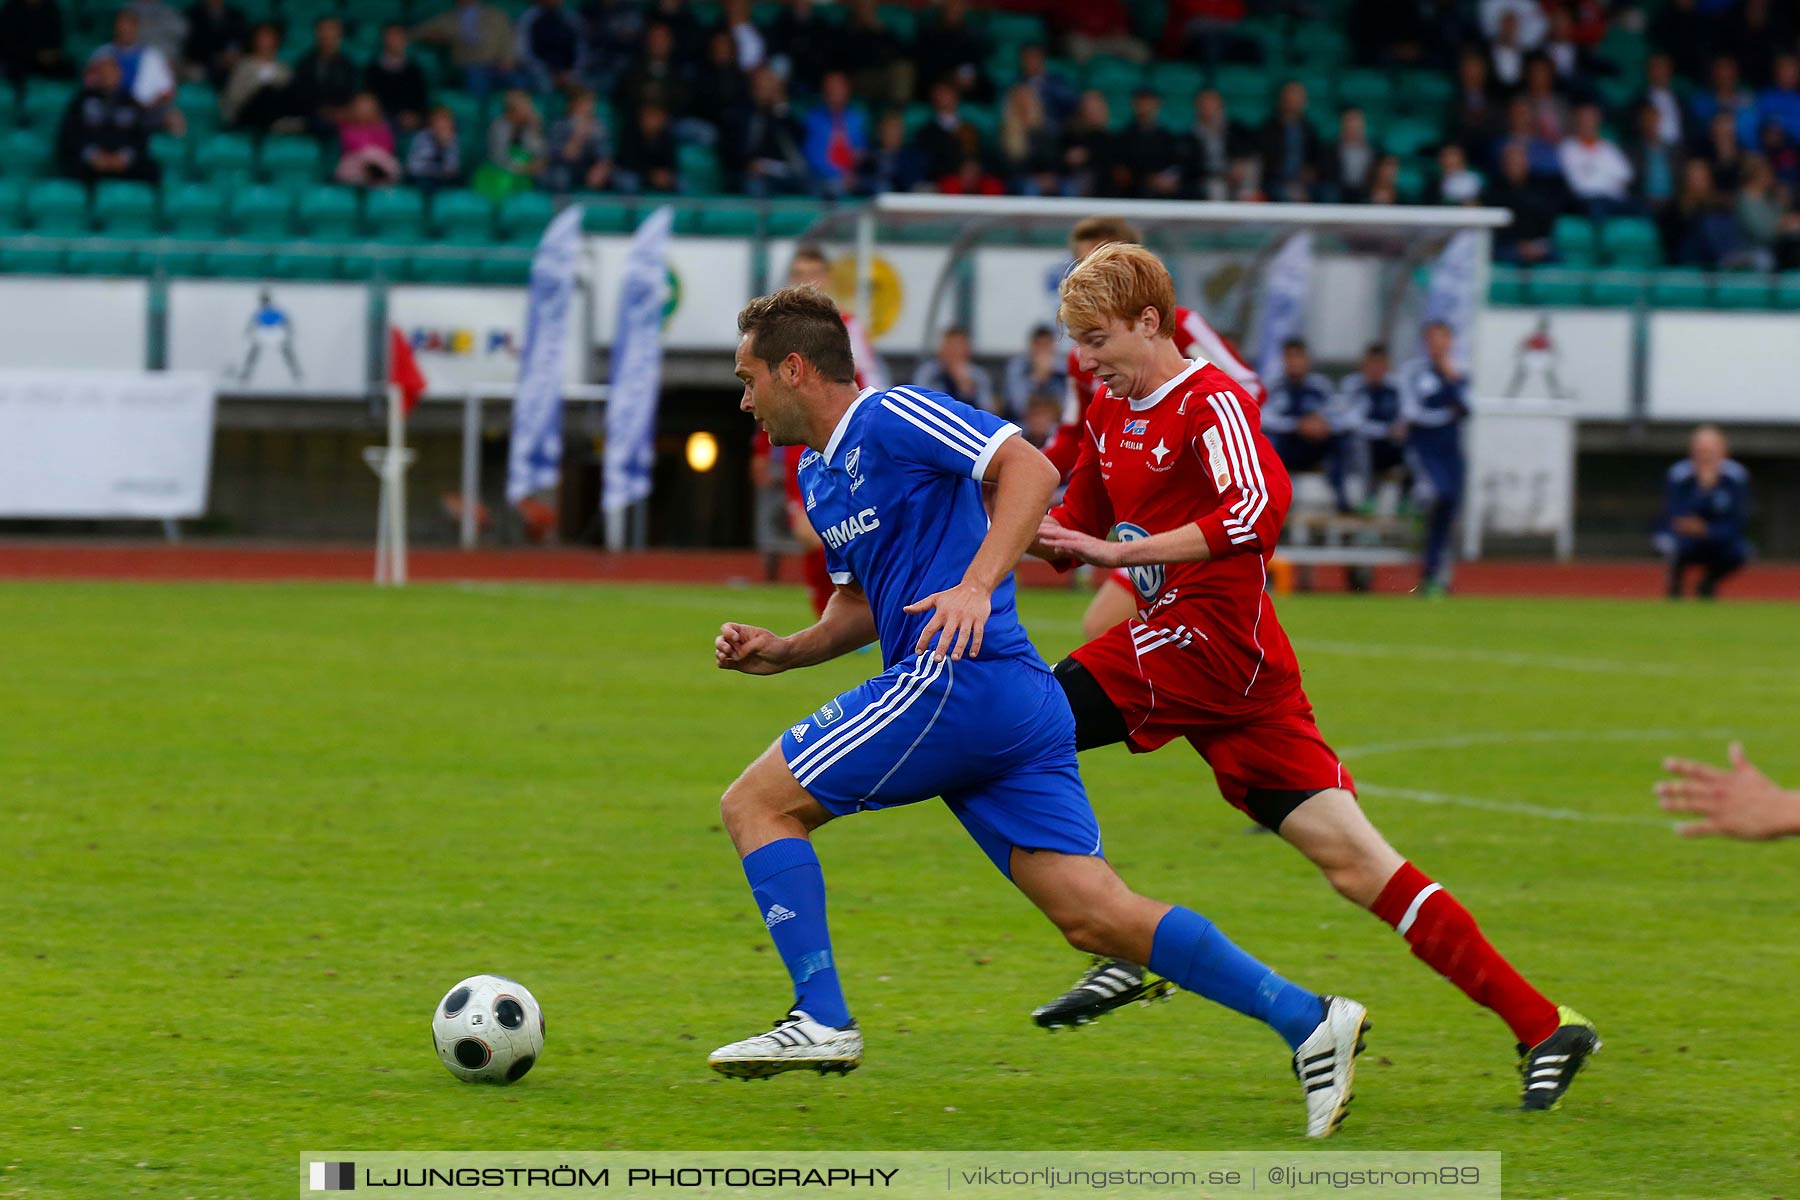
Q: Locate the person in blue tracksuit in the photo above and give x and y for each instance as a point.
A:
(1300, 417)
(1434, 402)
(1706, 505)
(1370, 404)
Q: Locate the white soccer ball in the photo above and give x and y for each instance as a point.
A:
(488, 1029)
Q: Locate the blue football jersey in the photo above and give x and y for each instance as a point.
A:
(896, 498)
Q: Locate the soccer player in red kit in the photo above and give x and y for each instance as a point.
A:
(1174, 461)
(1115, 600)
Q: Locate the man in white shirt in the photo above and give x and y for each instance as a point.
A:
(1596, 170)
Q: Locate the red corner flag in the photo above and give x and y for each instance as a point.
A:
(403, 371)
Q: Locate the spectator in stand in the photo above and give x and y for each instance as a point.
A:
(762, 144)
(1028, 145)
(1384, 188)
(31, 42)
(1780, 101)
(1147, 160)
(1535, 202)
(1095, 27)
(105, 132)
(1291, 153)
(1659, 93)
(689, 30)
(880, 70)
(160, 25)
(658, 76)
(1596, 170)
(955, 372)
(550, 46)
(1574, 66)
(1455, 182)
(804, 44)
(256, 95)
(482, 47)
(143, 69)
(398, 83)
(1206, 30)
(1087, 146)
(1549, 111)
(972, 178)
(1656, 163)
(945, 137)
(1475, 113)
(1706, 507)
(1680, 31)
(746, 39)
(1783, 154)
(1298, 417)
(1533, 25)
(948, 48)
(647, 159)
(1757, 32)
(1507, 54)
(1540, 153)
(1349, 163)
(1724, 152)
(837, 137)
(720, 90)
(515, 157)
(612, 34)
(1369, 405)
(1727, 94)
(218, 35)
(1221, 152)
(434, 157)
(1038, 374)
(1767, 227)
(325, 80)
(893, 165)
(580, 157)
(1056, 96)
(366, 145)
(1699, 229)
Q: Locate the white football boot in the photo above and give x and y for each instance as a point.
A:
(797, 1043)
(1325, 1064)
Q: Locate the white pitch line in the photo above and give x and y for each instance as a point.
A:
(1503, 658)
(1513, 808)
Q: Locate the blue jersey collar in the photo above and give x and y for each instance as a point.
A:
(843, 425)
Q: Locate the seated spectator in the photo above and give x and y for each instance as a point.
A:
(761, 145)
(1655, 161)
(1039, 374)
(1780, 101)
(1574, 66)
(1724, 151)
(1369, 405)
(31, 42)
(837, 137)
(515, 157)
(647, 159)
(105, 132)
(366, 145)
(255, 97)
(1699, 229)
(434, 158)
(218, 34)
(720, 90)
(689, 31)
(1783, 154)
(746, 39)
(160, 25)
(1475, 113)
(1042, 418)
(1056, 96)
(1455, 182)
(1659, 93)
(1095, 27)
(1206, 30)
(1221, 153)
(893, 164)
(1758, 32)
(1349, 163)
(580, 156)
(948, 48)
(1768, 229)
(803, 44)
(955, 373)
(1706, 511)
(143, 69)
(325, 80)
(1291, 153)
(1535, 201)
(549, 46)
(1687, 36)
(1550, 116)
(1726, 94)
(1384, 187)
(481, 43)
(972, 178)
(1533, 25)
(945, 137)
(1595, 169)
(1540, 154)
(1298, 419)
(1507, 53)
(1147, 159)
(397, 82)
(1028, 145)
(879, 67)
(658, 76)
(613, 36)
(1087, 146)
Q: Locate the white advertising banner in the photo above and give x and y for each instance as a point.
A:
(899, 293)
(707, 280)
(1578, 355)
(1724, 367)
(1521, 472)
(1015, 291)
(95, 324)
(463, 336)
(272, 338)
(104, 443)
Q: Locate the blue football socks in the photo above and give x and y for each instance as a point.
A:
(789, 888)
(1190, 950)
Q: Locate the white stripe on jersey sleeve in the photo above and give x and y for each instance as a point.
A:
(950, 420)
(1240, 447)
(959, 430)
(908, 415)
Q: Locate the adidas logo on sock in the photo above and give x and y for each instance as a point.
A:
(777, 914)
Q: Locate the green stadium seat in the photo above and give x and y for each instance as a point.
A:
(1407, 136)
(19, 260)
(226, 159)
(513, 272)
(327, 211)
(792, 220)
(126, 209)
(290, 162)
(698, 169)
(1547, 285)
(199, 105)
(903, 22)
(1176, 78)
(523, 217)
(1506, 286)
(1630, 242)
(1576, 243)
(292, 264)
(262, 211)
(25, 153)
(1320, 44)
(1424, 92)
(245, 261)
(12, 204)
(1615, 289)
(1239, 81)
(1008, 27)
(1410, 182)
(45, 101)
(1681, 287)
(396, 214)
(1739, 291)
(195, 210)
(463, 267)
(101, 259)
(611, 214)
(171, 154)
(57, 207)
(1364, 87)
(1786, 292)
(463, 217)
(729, 220)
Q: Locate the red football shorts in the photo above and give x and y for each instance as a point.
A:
(1167, 686)
(817, 576)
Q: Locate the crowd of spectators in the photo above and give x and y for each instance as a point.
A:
(603, 94)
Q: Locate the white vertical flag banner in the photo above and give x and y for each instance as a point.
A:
(637, 366)
(535, 462)
(1284, 302)
(1452, 296)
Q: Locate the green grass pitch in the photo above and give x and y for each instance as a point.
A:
(248, 836)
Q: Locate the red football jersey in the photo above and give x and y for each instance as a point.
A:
(1193, 337)
(1193, 452)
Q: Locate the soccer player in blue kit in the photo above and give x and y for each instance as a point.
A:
(964, 709)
